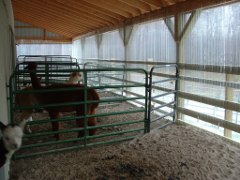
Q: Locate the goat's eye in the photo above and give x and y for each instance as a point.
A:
(7, 138)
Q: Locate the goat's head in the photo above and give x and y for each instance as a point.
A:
(12, 135)
(75, 77)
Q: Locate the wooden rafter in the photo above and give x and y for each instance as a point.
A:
(142, 6)
(73, 18)
(111, 7)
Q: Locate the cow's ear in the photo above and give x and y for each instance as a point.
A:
(2, 126)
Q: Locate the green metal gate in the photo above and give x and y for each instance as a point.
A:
(123, 122)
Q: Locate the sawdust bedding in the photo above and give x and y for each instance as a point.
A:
(172, 153)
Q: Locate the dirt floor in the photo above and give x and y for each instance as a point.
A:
(176, 152)
(173, 153)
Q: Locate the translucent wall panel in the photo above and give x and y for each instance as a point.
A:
(77, 49)
(90, 48)
(44, 49)
(215, 38)
(205, 84)
(152, 42)
(111, 46)
(210, 127)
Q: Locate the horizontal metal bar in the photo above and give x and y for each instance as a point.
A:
(78, 139)
(161, 106)
(165, 80)
(51, 143)
(169, 123)
(84, 70)
(115, 133)
(46, 133)
(77, 103)
(66, 89)
(135, 94)
(17, 156)
(161, 117)
(82, 117)
(212, 82)
(211, 68)
(46, 106)
(116, 124)
(157, 74)
(166, 65)
(161, 88)
(164, 94)
(197, 67)
(120, 86)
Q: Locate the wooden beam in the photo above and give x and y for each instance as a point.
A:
(43, 38)
(123, 7)
(181, 7)
(30, 27)
(144, 7)
(39, 23)
(103, 4)
(70, 26)
(92, 7)
(58, 14)
(63, 9)
(211, 120)
(155, 3)
(89, 11)
(40, 41)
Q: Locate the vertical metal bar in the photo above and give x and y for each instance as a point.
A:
(149, 98)
(85, 108)
(47, 74)
(147, 120)
(176, 95)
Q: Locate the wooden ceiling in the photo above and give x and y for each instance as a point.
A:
(73, 18)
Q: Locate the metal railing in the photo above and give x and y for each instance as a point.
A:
(158, 89)
(113, 126)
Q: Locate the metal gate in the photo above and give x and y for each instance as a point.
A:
(163, 86)
(123, 122)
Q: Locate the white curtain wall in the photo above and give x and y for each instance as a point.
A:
(212, 46)
(44, 49)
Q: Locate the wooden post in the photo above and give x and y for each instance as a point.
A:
(228, 113)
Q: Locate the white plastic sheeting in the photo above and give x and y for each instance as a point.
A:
(152, 42)
(111, 46)
(213, 40)
(44, 49)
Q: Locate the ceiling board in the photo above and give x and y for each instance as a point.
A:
(73, 18)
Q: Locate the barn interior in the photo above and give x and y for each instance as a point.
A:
(167, 74)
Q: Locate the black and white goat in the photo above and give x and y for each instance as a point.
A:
(11, 140)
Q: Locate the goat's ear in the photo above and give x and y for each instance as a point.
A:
(2, 126)
(23, 123)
